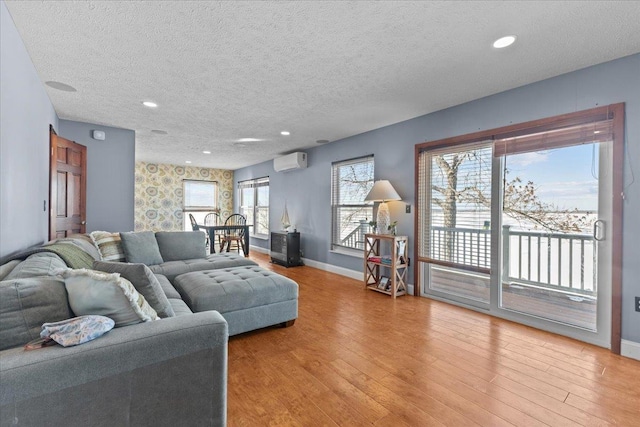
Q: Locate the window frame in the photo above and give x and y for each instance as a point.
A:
(210, 208)
(186, 210)
(336, 243)
(255, 184)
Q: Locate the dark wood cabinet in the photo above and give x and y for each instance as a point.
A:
(285, 248)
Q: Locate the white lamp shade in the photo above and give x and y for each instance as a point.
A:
(382, 190)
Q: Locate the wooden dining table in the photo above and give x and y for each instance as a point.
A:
(211, 231)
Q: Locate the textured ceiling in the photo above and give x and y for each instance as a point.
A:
(221, 71)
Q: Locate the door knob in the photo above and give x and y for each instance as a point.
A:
(83, 223)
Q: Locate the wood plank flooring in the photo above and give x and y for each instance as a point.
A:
(358, 358)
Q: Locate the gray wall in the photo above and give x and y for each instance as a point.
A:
(308, 191)
(110, 175)
(25, 116)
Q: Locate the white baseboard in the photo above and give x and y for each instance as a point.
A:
(353, 274)
(358, 275)
(259, 249)
(630, 349)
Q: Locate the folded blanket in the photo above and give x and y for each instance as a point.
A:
(71, 254)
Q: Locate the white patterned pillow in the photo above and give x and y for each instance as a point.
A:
(106, 294)
(109, 245)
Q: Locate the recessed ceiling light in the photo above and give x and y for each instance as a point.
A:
(60, 86)
(504, 42)
(285, 133)
(322, 141)
(206, 152)
(249, 140)
(159, 132)
(149, 104)
(187, 161)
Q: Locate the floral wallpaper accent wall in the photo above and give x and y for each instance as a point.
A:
(158, 195)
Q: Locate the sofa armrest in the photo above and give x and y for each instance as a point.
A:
(136, 371)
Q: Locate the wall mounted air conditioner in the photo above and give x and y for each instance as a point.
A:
(290, 162)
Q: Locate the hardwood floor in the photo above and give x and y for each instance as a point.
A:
(356, 357)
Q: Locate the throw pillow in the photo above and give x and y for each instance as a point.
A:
(25, 304)
(40, 264)
(143, 280)
(93, 292)
(108, 245)
(180, 245)
(141, 248)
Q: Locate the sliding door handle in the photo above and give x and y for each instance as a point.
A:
(598, 230)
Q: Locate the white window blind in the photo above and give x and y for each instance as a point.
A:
(351, 181)
(200, 195)
(254, 204)
(585, 133)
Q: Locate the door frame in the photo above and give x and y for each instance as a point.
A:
(615, 112)
(53, 184)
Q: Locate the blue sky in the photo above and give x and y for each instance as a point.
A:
(562, 176)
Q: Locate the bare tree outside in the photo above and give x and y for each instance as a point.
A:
(352, 182)
(520, 200)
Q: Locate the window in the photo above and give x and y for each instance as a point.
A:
(254, 204)
(351, 181)
(200, 198)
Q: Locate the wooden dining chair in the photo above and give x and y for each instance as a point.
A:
(194, 224)
(196, 227)
(236, 236)
(213, 218)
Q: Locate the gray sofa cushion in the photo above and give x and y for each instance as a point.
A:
(181, 245)
(40, 264)
(232, 289)
(141, 247)
(143, 280)
(172, 269)
(180, 307)
(25, 304)
(167, 287)
(7, 268)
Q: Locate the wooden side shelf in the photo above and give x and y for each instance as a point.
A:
(385, 263)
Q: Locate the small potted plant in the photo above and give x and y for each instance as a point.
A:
(392, 227)
(374, 226)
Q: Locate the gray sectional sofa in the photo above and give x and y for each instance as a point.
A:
(169, 372)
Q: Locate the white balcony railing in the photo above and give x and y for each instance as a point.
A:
(558, 261)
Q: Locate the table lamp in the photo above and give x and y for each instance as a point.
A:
(381, 192)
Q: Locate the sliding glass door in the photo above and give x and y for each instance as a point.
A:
(457, 182)
(555, 251)
(520, 225)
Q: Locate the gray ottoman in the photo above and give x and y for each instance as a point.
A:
(173, 269)
(248, 297)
